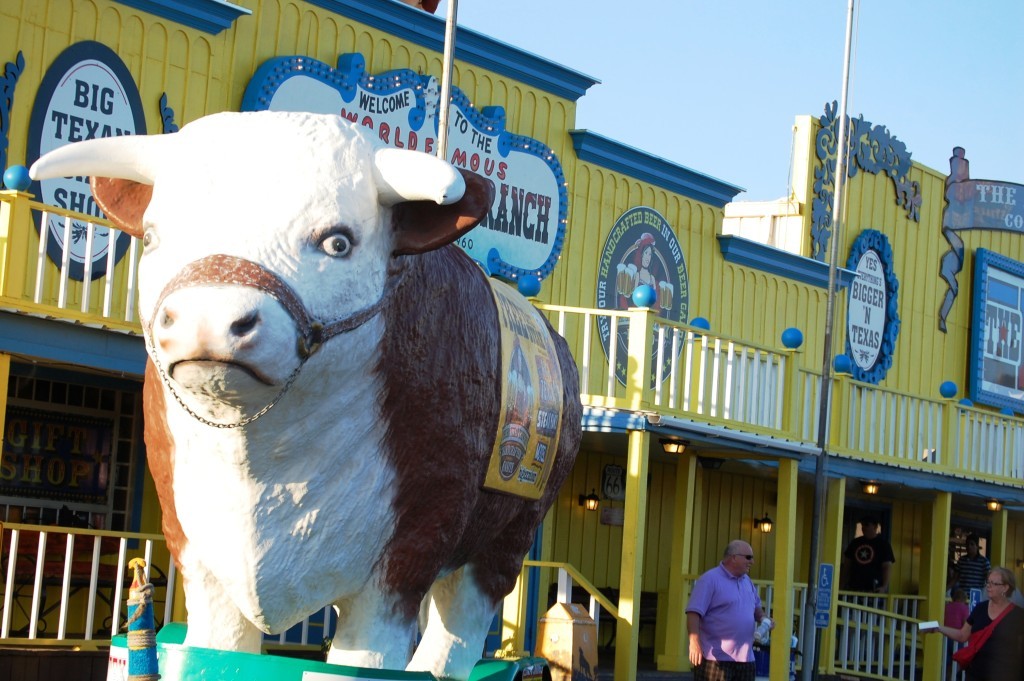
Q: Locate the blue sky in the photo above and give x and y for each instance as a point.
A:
(716, 85)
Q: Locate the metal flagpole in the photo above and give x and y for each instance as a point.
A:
(810, 631)
(446, 79)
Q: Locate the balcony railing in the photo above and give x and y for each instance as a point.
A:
(628, 360)
(724, 381)
(104, 292)
(700, 375)
(68, 586)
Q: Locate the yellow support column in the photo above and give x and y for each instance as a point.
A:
(5, 379)
(16, 236)
(933, 581)
(793, 402)
(513, 631)
(997, 554)
(832, 552)
(675, 657)
(627, 632)
(639, 394)
(784, 570)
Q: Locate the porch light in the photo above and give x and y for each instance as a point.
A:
(590, 501)
(993, 505)
(674, 446)
(764, 524)
(870, 488)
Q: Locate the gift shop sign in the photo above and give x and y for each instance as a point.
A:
(47, 455)
(87, 93)
(524, 231)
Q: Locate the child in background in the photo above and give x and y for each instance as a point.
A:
(957, 610)
(956, 614)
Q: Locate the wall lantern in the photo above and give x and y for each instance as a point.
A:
(870, 487)
(764, 524)
(674, 446)
(993, 505)
(590, 501)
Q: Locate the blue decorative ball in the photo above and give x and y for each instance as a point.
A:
(966, 402)
(529, 285)
(700, 323)
(842, 364)
(17, 178)
(644, 296)
(948, 389)
(792, 338)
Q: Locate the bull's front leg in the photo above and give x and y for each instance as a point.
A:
(213, 619)
(371, 633)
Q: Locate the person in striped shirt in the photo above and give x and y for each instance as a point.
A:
(972, 567)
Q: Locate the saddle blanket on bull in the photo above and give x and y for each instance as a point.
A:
(524, 451)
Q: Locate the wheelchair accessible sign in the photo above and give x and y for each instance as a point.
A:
(823, 604)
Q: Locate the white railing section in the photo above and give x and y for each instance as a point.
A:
(584, 321)
(949, 671)
(811, 405)
(70, 585)
(719, 377)
(313, 631)
(564, 595)
(899, 604)
(44, 270)
(988, 443)
(699, 373)
(893, 425)
(876, 643)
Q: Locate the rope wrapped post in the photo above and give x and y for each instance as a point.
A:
(142, 660)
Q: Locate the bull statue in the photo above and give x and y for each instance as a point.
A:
(326, 390)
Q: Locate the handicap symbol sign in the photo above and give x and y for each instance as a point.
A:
(825, 574)
(823, 604)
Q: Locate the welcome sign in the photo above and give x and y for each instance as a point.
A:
(524, 232)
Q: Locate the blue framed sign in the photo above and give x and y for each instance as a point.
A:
(995, 367)
(641, 248)
(872, 311)
(87, 93)
(525, 230)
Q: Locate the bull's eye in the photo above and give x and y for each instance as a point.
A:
(149, 239)
(336, 244)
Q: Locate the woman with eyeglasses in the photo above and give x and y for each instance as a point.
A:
(1001, 656)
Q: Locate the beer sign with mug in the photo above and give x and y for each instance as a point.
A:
(641, 249)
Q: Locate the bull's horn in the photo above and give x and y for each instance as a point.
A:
(128, 157)
(404, 175)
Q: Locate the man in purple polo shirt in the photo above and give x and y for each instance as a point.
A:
(721, 615)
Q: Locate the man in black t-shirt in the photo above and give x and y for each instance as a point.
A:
(868, 560)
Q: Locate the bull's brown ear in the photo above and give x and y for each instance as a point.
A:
(423, 226)
(123, 202)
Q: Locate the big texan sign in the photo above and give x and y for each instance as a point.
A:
(526, 227)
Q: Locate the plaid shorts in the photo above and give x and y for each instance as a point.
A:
(712, 670)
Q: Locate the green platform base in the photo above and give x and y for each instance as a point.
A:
(182, 663)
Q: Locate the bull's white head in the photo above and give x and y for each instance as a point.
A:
(264, 234)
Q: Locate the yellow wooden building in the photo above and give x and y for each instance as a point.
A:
(702, 413)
